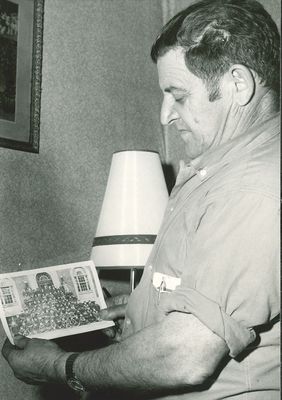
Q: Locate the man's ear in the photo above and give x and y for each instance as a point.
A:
(243, 83)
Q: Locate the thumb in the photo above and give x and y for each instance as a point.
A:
(113, 312)
(21, 341)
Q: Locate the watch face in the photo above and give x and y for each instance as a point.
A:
(75, 384)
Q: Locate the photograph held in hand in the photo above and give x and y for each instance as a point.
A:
(52, 302)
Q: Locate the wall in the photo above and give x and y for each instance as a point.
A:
(99, 95)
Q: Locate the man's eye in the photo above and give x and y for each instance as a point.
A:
(180, 99)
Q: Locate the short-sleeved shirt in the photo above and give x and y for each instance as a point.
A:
(217, 253)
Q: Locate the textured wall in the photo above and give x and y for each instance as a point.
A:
(99, 95)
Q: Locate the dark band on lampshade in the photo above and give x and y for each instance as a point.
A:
(124, 239)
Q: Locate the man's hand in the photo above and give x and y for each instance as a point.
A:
(115, 311)
(35, 361)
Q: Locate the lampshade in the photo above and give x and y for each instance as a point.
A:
(133, 207)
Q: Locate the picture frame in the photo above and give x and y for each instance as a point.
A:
(21, 41)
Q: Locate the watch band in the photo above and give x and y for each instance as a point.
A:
(72, 380)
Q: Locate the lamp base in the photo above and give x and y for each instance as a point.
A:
(132, 279)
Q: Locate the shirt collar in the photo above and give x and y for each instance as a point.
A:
(209, 162)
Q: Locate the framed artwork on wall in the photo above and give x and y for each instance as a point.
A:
(21, 33)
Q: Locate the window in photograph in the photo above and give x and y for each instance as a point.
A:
(7, 295)
(44, 280)
(81, 280)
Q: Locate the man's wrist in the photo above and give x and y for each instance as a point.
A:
(70, 374)
(60, 367)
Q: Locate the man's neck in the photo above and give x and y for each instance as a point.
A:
(262, 107)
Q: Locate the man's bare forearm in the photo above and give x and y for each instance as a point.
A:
(177, 352)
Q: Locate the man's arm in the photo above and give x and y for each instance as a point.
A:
(177, 352)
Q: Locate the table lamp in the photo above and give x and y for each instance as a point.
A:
(134, 203)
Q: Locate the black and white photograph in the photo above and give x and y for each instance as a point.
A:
(160, 162)
(52, 302)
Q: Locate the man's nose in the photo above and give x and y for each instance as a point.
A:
(168, 113)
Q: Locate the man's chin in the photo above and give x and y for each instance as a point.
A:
(191, 153)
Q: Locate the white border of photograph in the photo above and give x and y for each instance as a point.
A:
(52, 302)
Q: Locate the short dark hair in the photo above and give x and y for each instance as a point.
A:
(215, 34)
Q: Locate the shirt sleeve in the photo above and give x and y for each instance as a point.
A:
(230, 277)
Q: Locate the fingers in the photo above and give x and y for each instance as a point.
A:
(117, 300)
(21, 341)
(34, 361)
(110, 332)
(116, 307)
(114, 332)
(7, 349)
(114, 312)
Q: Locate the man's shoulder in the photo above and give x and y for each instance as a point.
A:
(262, 169)
(257, 171)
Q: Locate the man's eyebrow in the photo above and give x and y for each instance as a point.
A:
(170, 89)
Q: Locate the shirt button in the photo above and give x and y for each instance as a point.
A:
(150, 267)
(171, 209)
(202, 172)
(128, 322)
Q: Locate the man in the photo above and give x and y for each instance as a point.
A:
(202, 323)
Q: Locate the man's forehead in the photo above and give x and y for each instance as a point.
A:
(172, 70)
(173, 58)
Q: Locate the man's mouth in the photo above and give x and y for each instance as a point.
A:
(185, 134)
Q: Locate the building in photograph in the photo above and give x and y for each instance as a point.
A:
(42, 301)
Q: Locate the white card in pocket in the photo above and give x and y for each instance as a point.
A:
(165, 283)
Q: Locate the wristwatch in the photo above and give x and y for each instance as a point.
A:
(72, 380)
